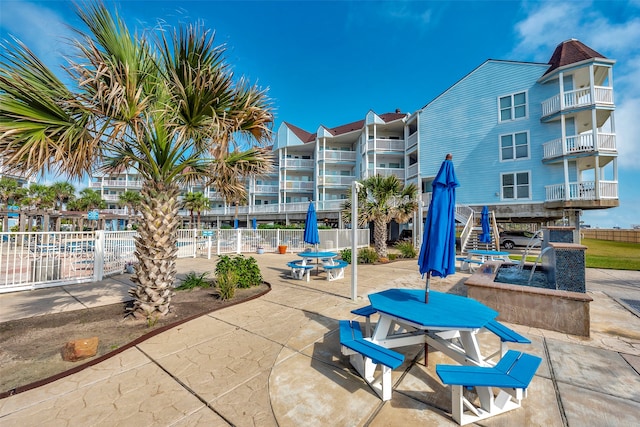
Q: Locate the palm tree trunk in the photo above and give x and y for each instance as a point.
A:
(380, 236)
(156, 250)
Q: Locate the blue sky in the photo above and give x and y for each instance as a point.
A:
(331, 62)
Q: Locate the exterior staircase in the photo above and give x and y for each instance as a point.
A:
(470, 236)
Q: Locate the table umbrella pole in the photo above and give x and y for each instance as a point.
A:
(426, 300)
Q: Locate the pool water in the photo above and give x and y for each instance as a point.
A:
(516, 276)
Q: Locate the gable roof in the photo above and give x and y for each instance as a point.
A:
(302, 134)
(569, 52)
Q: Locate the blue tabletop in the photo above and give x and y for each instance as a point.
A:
(313, 254)
(487, 253)
(444, 311)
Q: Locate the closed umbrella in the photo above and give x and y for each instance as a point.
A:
(254, 223)
(311, 235)
(235, 223)
(438, 250)
(485, 236)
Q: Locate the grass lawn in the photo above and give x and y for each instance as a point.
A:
(614, 255)
(606, 254)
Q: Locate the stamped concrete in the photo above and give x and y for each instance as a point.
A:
(275, 361)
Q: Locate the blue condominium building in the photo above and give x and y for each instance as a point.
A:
(535, 142)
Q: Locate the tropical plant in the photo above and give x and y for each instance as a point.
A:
(62, 192)
(40, 196)
(227, 283)
(247, 269)
(345, 255)
(8, 188)
(168, 107)
(381, 200)
(196, 202)
(406, 248)
(130, 200)
(89, 200)
(194, 280)
(367, 256)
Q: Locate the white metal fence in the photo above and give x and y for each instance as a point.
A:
(32, 260)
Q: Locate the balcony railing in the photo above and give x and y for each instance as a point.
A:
(577, 98)
(579, 144)
(338, 156)
(114, 183)
(386, 145)
(584, 190)
(266, 189)
(297, 207)
(341, 180)
(412, 140)
(398, 173)
(412, 170)
(299, 185)
(298, 163)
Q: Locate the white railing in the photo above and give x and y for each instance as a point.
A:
(578, 144)
(338, 156)
(398, 173)
(412, 140)
(577, 98)
(116, 183)
(266, 189)
(412, 170)
(297, 163)
(341, 180)
(45, 259)
(386, 145)
(299, 185)
(584, 190)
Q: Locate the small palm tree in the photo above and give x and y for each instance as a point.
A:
(8, 188)
(89, 200)
(381, 200)
(40, 196)
(63, 192)
(168, 107)
(131, 200)
(196, 202)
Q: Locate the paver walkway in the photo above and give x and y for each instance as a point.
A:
(275, 361)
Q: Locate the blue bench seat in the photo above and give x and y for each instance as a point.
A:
(335, 269)
(512, 375)
(367, 312)
(466, 263)
(298, 271)
(365, 355)
(506, 335)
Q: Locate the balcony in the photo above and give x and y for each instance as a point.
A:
(412, 140)
(299, 185)
(583, 192)
(583, 143)
(602, 95)
(336, 180)
(115, 183)
(266, 189)
(412, 170)
(398, 173)
(297, 163)
(386, 145)
(338, 156)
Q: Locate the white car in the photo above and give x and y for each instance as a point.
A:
(511, 239)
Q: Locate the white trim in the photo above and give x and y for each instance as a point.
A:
(515, 186)
(513, 118)
(513, 146)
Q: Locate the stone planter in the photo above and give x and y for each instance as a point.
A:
(260, 250)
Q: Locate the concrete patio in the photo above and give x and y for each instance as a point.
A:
(275, 361)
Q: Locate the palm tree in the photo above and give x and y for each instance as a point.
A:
(196, 202)
(131, 200)
(63, 192)
(8, 189)
(89, 200)
(40, 196)
(229, 173)
(163, 106)
(381, 200)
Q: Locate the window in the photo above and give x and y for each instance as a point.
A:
(513, 107)
(514, 146)
(516, 186)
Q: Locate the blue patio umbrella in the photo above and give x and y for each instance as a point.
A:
(438, 250)
(254, 223)
(485, 236)
(235, 223)
(311, 234)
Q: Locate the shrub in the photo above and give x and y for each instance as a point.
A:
(392, 257)
(345, 254)
(193, 280)
(246, 269)
(406, 249)
(367, 256)
(227, 283)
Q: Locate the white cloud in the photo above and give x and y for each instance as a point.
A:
(38, 27)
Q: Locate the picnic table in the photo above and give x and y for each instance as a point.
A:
(486, 255)
(319, 256)
(449, 323)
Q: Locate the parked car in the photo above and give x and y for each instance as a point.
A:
(511, 239)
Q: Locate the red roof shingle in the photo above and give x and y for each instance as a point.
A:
(570, 52)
